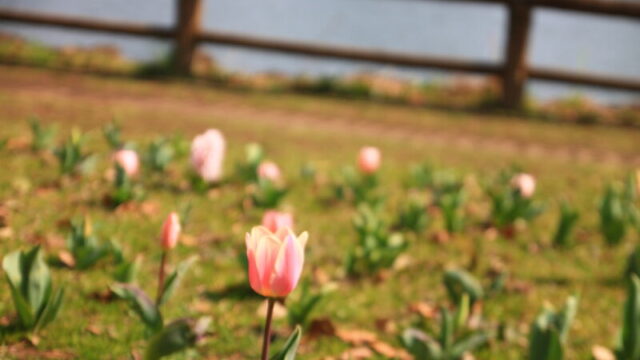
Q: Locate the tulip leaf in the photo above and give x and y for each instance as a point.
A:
(51, 309)
(173, 280)
(177, 336)
(141, 304)
(288, 351)
(421, 345)
(126, 271)
(459, 282)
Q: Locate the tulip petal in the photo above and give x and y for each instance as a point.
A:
(288, 267)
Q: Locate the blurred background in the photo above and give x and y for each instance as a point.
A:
(559, 39)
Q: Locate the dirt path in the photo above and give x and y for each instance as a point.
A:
(193, 100)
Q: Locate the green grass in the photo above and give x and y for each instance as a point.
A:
(292, 130)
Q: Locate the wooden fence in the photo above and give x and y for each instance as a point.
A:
(514, 71)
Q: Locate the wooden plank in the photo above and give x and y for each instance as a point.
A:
(342, 52)
(628, 8)
(515, 70)
(86, 24)
(187, 27)
(602, 81)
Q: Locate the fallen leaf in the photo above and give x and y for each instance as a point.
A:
(424, 309)
(389, 351)
(361, 352)
(94, 329)
(66, 258)
(602, 353)
(6, 232)
(356, 337)
(321, 327)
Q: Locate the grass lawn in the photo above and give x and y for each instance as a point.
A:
(570, 162)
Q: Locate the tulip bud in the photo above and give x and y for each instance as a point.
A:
(207, 154)
(170, 231)
(128, 161)
(525, 184)
(269, 170)
(274, 220)
(369, 159)
(275, 260)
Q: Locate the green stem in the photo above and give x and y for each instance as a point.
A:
(267, 329)
(163, 264)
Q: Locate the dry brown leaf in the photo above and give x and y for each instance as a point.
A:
(94, 329)
(602, 353)
(6, 232)
(357, 353)
(424, 309)
(386, 326)
(321, 327)
(356, 337)
(66, 258)
(201, 306)
(389, 351)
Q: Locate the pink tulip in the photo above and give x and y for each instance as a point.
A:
(170, 231)
(525, 184)
(274, 220)
(269, 170)
(369, 159)
(275, 260)
(128, 161)
(207, 154)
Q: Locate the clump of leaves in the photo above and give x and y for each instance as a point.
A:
(549, 331)
(82, 243)
(356, 187)
(299, 309)
(36, 301)
(124, 188)
(508, 205)
(71, 155)
(412, 216)
(449, 197)
(159, 154)
(460, 283)
(629, 343)
(451, 339)
(566, 223)
(42, 137)
(125, 271)
(267, 193)
(113, 135)
(613, 219)
(165, 339)
(377, 247)
(247, 171)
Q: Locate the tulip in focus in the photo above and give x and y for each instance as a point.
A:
(170, 231)
(128, 161)
(369, 159)
(274, 220)
(269, 170)
(525, 184)
(275, 260)
(207, 154)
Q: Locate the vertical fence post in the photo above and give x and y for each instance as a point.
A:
(515, 69)
(187, 27)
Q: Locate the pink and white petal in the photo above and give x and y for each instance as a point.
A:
(288, 268)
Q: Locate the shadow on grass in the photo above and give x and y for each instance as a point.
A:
(240, 291)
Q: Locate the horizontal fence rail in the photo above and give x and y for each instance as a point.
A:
(514, 71)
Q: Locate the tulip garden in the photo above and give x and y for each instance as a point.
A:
(159, 233)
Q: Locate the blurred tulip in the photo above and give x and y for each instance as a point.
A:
(275, 260)
(525, 184)
(128, 160)
(170, 231)
(269, 170)
(207, 154)
(369, 159)
(274, 220)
